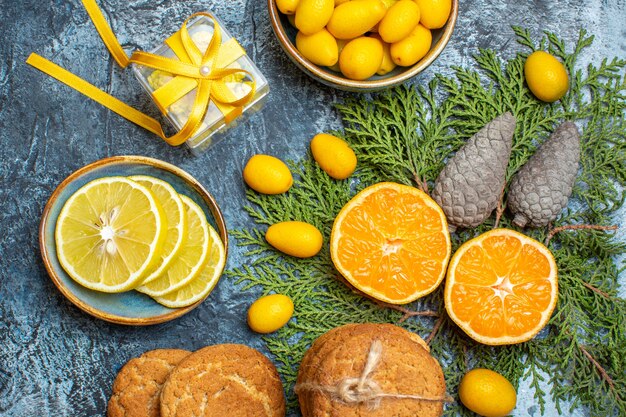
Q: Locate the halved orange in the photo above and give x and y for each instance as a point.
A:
(502, 287)
(391, 242)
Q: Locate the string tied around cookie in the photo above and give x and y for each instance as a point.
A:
(364, 389)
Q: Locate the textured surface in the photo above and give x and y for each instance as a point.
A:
(469, 187)
(57, 360)
(540, 189)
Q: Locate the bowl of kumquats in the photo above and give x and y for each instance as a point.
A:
(363, 45)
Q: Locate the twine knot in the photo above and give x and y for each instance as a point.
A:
(363, 389)
(350, 391)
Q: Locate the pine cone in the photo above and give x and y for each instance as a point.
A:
(469, 187)
(540, 189)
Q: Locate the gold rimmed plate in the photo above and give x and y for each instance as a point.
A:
(286, 35)
(131, 307)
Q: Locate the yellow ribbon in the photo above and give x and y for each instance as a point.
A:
(205, 72)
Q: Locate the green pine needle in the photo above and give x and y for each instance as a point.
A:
(406, 135)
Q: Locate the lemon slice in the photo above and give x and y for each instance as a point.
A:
(110, 233)
(199, 287)
(176, 221)
(192, 258)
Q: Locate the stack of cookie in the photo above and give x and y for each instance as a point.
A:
(370, 370)
(137, 387)
(221, 380)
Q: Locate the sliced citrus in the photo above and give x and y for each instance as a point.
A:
(199, 287)
(391, 242)
(191, 259)
(501, 287)
(110, 233)
(176, 221)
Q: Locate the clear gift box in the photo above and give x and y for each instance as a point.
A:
(214, 125)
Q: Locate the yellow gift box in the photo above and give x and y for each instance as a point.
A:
(200, 78)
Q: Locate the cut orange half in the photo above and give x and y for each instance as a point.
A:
(391, 242)
(501, 287)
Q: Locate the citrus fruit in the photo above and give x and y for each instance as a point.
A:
(391, 242)
(287, 6)
(110, 233)
(295, 238)
(434, 13)
(546, 77)
(487, 393)
(354, 18)
(192, 258)
(361, 58)
(411, 49)
(270, 313)
(399, 22)
(199, 287)
(501, 287)
(333, 155)
(320, 48)
(176, 221)
(387, 65)
(292, 20)
(340, 44)
(313, 15)
(267, 175)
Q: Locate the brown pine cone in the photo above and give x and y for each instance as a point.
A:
(468, 188)
(540, 189)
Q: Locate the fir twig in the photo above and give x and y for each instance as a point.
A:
(559, 229)
(601, 370)
(596, 290)
(436, 328)
(500, 208)
(406, 135)
(407, 313)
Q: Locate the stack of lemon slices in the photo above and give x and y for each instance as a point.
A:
(121, 233)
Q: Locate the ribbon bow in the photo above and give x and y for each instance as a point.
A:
(204, 71)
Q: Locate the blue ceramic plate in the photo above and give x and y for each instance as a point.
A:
(130, 307)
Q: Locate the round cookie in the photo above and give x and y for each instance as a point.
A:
(405, 368)
(327, 342)
(330, 340)
(337, 335)
(137, 386)
(224, 380)
(310, 361)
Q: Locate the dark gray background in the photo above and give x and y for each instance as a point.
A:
(57, 360)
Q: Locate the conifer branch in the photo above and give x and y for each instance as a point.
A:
(408, 313)
(421, 183)
(405, 135)
(436, 328)
(560, 229)
(596, 290)
(600, 370)
(500, 208)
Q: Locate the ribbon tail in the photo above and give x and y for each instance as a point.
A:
(96, 94)
(106, 33)
(199, 109)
